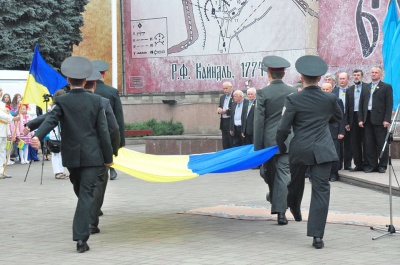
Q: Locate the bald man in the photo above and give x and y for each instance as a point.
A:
(337, 130)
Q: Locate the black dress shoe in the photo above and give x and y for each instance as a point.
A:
(113, 174)
(94, 230)
(268, 197)
(381, 170)
(357, 168)
(296, 215)
(282, 219)
(368, 169)
(82, 246)
(318, 243)
(348, 168)
(333, 179)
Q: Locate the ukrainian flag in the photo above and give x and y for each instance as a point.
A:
(42, 80)
(391, 50)
(170, 168)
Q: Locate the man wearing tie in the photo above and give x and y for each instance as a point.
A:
(238, 116)
(345, 145)
(224, 109)
(248, 126)
(375, 113)
(353, 94)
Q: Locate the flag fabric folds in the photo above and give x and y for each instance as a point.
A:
(42, 79)
(170, 168)
(391, 50)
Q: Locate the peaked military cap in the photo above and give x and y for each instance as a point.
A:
(76, 67)
(94, 76)
(100, 65)
(274, 63)
(311, 65)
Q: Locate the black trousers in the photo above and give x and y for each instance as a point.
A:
(345, 151)
(99, 193)
(84, 181)
(375, 136)
(320, 195)
(335, 165)
(248, 139)
(237, 138)
(227, 141)
(357, 139)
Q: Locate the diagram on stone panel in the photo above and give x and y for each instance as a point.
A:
(214, 26)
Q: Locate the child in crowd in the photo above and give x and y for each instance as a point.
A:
(23, 152)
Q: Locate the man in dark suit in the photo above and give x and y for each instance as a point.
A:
(112, 95)
(337, 133)
(309, 113)
(113, 129)
(353, 94)
(331, 79)
(248, 127)
(375, 114)
(238, 116)
(345, 143)
(268, 113)
(86, 148)
(224, 109)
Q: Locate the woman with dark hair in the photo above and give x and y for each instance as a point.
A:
(6, 99)
(15, 104)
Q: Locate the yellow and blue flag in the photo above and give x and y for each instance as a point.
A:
(170, 168)
(42, 79)
(391, 50)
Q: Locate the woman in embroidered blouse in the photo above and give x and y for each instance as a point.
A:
(23, 153)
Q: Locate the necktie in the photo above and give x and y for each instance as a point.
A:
(357, 89)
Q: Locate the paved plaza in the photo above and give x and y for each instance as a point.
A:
(146, 223)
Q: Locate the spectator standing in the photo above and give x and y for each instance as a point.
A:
(224, 109)
(375, 114)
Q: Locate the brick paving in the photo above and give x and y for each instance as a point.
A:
(142, 224)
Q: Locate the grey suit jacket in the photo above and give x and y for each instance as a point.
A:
(268, 113)
(309, 113)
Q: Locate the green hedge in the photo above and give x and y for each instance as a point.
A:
(158, 127)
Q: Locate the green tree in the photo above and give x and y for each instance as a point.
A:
(53, 24)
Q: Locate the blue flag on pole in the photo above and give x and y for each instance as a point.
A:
(391, 50)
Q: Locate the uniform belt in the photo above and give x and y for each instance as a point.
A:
(4, 122)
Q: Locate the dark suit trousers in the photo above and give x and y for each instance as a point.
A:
(319, 196)
(227, 141)
(345, 151)
(357, 139)
(237, 138)
(84, 180)
(99, 193)
(375, 136)
(248, 139)
(335, 165)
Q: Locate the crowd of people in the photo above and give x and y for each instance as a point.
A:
(318, 129)
(86, 121)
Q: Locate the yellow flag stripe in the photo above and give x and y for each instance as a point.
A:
(154, 168)
(34, 93)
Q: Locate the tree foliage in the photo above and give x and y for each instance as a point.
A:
(53, 24)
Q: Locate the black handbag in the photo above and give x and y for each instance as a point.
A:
(54, 145)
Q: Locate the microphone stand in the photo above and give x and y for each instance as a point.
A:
(389, 138)
(46, 99)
